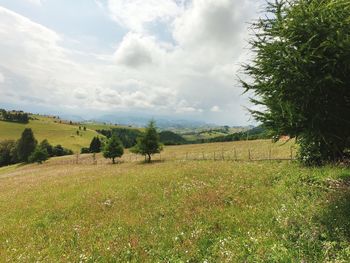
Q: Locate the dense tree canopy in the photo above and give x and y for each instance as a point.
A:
(300, 75)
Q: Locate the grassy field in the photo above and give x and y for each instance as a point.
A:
(175, 211)
(46, 128)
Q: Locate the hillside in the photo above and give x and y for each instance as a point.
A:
(176, 210)
(46, 128)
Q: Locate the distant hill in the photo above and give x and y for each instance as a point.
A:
(252, 134)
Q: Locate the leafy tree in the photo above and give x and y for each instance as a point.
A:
(148, 143)
(26, 145)
(95, 145)
(113, 148)
(47, 146)
(39, 155)
(300, 75)
(7, 148)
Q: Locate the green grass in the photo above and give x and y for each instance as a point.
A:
(175, 211)
(46, 128)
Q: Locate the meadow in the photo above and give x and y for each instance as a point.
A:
(175, 209)
(46, 128)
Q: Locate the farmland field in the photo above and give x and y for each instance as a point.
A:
(175, 210)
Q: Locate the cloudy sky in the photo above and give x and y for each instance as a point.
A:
(175, 58)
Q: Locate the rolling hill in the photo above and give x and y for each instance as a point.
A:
(49, 128)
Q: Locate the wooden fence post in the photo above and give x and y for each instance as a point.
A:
(235, 154)
(270, 154)
(249, 154)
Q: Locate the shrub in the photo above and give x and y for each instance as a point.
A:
(39, 155)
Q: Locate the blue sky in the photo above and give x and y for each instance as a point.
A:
(175, 58)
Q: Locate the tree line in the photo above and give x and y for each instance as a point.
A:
(27, 150)
(14, 116)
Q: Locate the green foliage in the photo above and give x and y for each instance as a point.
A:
(7, 148)
(301, 75)
(47, 146)
(171, 138)
(127, 136)
(148, 143)
(58, 150)
(113, 148)
(39, 155)
(26, 145)
(95, 145)
(85, 150)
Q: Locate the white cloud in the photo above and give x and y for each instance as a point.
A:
(2, 78)
(185, 76)
(134, 14)
(134, 51)
(215, 109)
(36, 2)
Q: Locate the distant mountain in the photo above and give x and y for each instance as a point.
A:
(141, 121)
(74, 118)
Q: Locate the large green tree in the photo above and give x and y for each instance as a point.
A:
(148, 143)
(26, 145)
(300, 75)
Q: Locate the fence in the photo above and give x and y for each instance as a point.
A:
(271, 154)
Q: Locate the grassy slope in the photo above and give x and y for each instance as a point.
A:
(46, 128)
(174, 211)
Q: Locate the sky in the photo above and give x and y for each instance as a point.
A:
(176, 58)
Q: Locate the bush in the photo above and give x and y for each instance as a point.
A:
(58, 150)
(39, 155)
(85, 150)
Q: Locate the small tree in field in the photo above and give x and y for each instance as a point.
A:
(113, 149)
(26, 145)
(148, 144)
(300, 75)
(39, 155)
